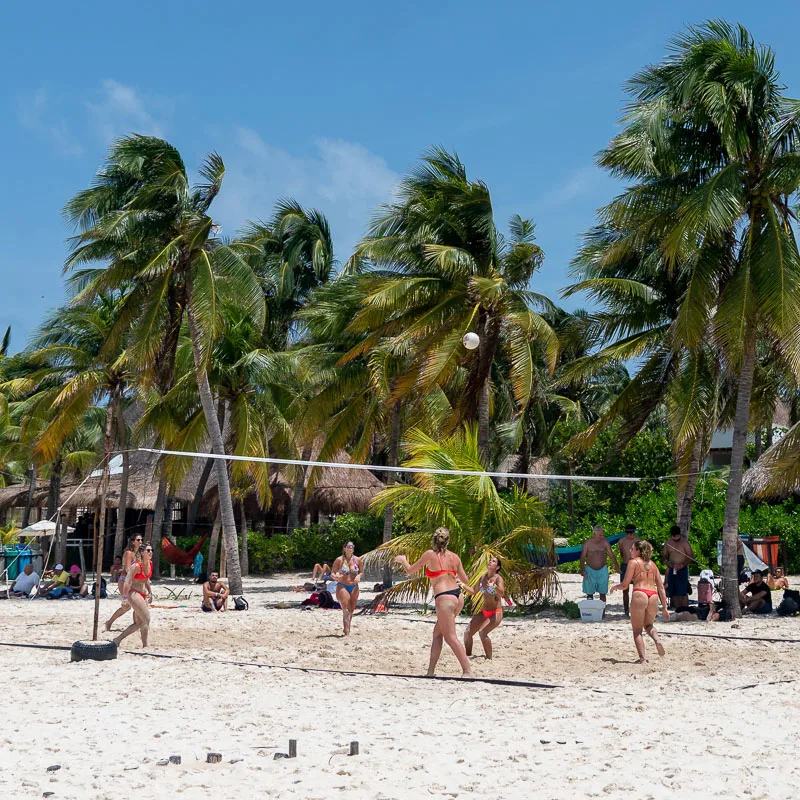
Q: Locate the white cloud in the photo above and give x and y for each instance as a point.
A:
(578, 182)
(344, 180)
(35, 113)
(119, 109)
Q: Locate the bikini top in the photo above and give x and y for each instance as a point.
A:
(140, 576)
(345, 570)
(435, 573)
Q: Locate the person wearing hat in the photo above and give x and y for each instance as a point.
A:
(76, 582)
(58, 580)
(625, 544)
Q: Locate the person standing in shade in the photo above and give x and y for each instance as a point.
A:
(594, 564)
(678, 553)
(626, 544)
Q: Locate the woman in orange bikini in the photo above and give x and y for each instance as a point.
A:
(444, 570)
(493, 588)
(347, 571)
(139, 593)
(648, 589)
(134, 543)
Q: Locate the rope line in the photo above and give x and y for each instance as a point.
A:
(377, 468)
(731, 638)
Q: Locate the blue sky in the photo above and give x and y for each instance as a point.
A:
(329, 103)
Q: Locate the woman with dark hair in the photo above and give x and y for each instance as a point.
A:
(444, 570)
(493, 588)
(134, 543)
(139, 592)
(347, 572)
(648, 589)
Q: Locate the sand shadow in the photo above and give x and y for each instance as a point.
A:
(619, 661)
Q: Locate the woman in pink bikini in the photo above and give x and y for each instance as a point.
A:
(493, 588)
(648, 589)
(444, 570)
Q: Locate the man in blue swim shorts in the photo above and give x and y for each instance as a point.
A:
(594, 564)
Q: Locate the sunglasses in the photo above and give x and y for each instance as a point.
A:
(148, 549)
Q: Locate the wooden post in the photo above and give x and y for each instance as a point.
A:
(292, 748)
(354, 748)
(98, 573)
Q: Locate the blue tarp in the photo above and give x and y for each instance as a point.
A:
(538, 555)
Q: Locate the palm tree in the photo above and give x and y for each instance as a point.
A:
(713, 146)
(153, 228)
(482, 523)
(449, 271)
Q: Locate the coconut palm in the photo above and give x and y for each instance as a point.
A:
(714, 148)
(482, 523)
(449, 271)
(144, 218)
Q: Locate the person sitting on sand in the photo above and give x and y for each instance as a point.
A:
(756, 598)
(24, 583)
(347, 571)
(76, 582)
(444, 570)
(139, 593)
(648, 589)
(56, 581)
(117, 570)
(493, 588)
(215, 594)
(594, 563)
(678, 553)
(626, 543)
(777, 581)
(717, 612)
(321, 572)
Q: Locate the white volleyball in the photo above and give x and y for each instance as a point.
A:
(471, 340)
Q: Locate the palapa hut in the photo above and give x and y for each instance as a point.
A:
(776, 475)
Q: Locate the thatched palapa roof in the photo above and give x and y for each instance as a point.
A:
(776, 475)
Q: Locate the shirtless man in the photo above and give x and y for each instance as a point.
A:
(778, 580)
(625, 544)
(215, 594)
(594, 564)
(677, 553)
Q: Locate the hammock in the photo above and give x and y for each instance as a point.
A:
(174, 555)
(540, 556)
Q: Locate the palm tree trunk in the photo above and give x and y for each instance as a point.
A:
(245, 558)
(218, 448)
(122, 508)
(686, 497)
(759, 443)
(158, 525)
(486, 353)
(101, 537)
(298, 493)
(194, 506)
(213, 544)
(26, 514)
(53, 497)
(391, 477)
(730, 530)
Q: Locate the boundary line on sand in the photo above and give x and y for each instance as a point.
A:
(662, 632)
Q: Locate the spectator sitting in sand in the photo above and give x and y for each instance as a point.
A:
(777, 581)
(322, 572)
(117, 570)
(76, 582)
(215, 594)
(24, 583)
(56, 580)
(717, 612)
(756, 598)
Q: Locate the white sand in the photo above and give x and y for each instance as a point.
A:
(678, 725)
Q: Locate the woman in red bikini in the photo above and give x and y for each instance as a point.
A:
(139, 592)
(493, 588)
(648, 589)
(128, 557)
(444, 570)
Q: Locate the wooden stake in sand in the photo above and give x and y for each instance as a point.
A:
(292, 748)
(354, 748)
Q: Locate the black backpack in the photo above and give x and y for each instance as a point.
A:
(325, 599)
(103, 592)
(240, 604)
(790, 604)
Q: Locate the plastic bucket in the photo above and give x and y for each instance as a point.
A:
(591, 610)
